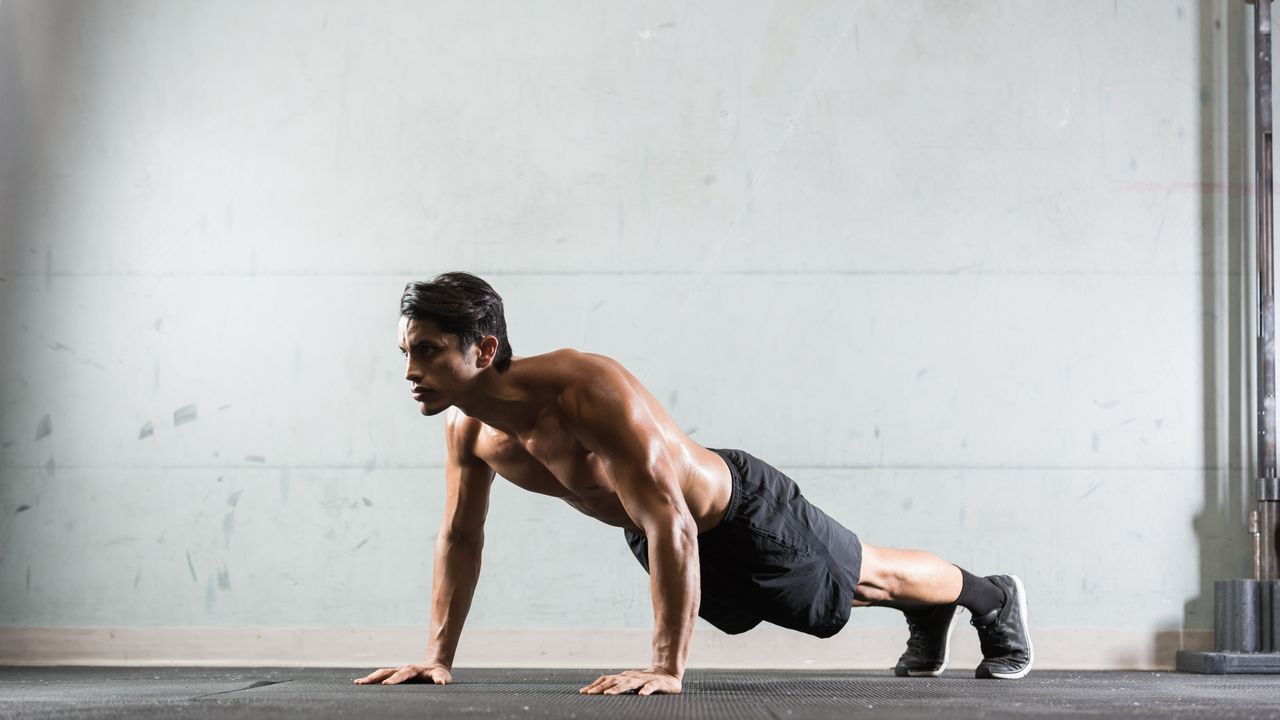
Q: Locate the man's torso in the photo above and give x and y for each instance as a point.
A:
(549, 459)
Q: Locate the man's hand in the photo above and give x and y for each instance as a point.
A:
(644, 682)
(416, 673)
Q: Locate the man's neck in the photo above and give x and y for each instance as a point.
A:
(495, 401)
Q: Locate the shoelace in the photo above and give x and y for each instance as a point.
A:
(918, 642)
(997, 636)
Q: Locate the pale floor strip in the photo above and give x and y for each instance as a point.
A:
(858, 649)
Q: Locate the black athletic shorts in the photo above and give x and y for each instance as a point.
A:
(773, 557)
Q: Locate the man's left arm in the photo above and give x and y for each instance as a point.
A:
(613, 422)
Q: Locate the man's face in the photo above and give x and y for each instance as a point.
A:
(435, 364)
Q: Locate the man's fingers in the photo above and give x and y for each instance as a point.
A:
(649, 688)
(375, 676)
(643, 681)
(624, 685)
(602, 685)
(401, 675)
(591, 686)
(420, 672)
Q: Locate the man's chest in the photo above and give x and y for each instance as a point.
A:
(548, 460)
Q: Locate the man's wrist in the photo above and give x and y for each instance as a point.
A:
(436, 659)
(676, 671)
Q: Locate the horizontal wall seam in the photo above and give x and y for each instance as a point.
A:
(780, 465)
(646, 273)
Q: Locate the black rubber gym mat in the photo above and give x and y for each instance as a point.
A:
(318, 693)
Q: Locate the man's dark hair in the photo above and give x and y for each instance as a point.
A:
(462, 304)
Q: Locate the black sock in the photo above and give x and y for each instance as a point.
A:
(979, 595)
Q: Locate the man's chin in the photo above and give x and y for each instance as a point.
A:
(429, 410)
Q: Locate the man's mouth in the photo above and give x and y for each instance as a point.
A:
(420, 392)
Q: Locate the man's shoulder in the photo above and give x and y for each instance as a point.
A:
(590, 384)
(462, 433)
(570, 370)
(571, 359)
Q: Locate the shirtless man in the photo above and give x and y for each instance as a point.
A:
(724, 535)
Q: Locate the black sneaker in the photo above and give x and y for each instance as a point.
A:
(1006, 646)
(929, 644)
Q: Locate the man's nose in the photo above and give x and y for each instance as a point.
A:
(411, 373)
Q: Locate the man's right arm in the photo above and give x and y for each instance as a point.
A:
(459, 545)
(460, 541)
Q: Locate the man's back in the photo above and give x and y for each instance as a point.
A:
(545, 453)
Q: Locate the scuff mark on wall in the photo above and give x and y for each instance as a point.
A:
(184, 415)
(147, 431)
(60, 347)
(228, 522)
(44, 427)
(192, 567)
(228, 525)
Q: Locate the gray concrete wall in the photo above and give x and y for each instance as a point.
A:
(970, 272)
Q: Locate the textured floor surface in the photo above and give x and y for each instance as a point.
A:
(317, 693)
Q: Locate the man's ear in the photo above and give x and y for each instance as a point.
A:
(486, 350)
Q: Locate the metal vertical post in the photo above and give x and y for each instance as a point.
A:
(1268, 485)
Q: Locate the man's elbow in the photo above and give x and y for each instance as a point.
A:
(458, 539)
(675, 528)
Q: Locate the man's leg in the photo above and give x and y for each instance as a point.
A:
(903, 578)
(926, 589)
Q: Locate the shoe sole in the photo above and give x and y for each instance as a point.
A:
(1026, 625)
(946, 651)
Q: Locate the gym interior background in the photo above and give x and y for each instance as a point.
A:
(976, 274)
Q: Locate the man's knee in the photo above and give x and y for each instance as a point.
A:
(876, 580)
